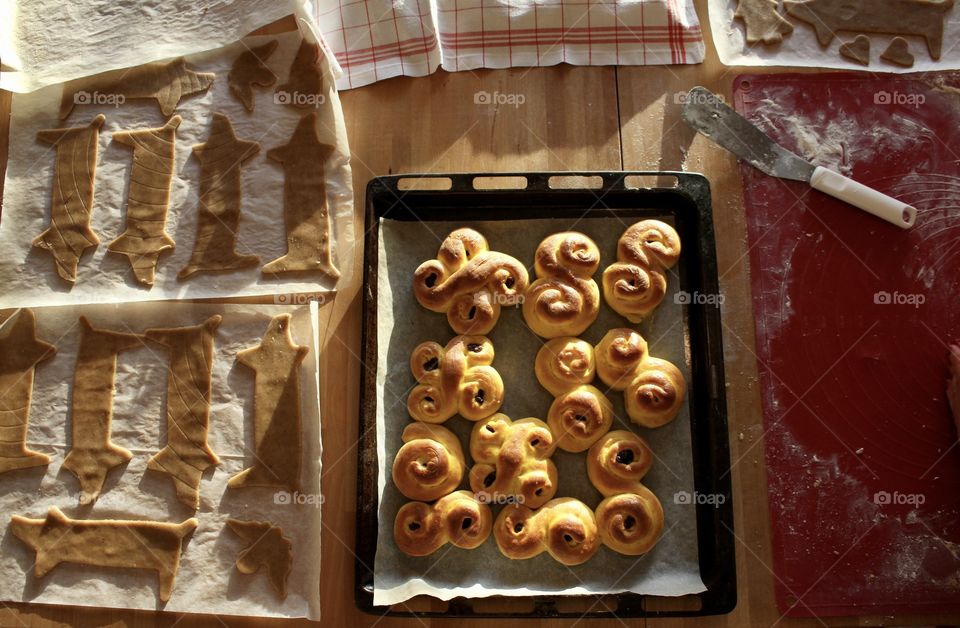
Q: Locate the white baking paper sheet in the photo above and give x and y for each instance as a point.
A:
(801, 48)
(44, 42)
(207, 581)
(671, 568)
(27, 273)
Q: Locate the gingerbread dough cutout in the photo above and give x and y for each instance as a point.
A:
(189, 378)
(306, 214)
(69, 233)
(145, 236)
(763, 21)
(249, 70)
(923, 18)
(266, 547)
(218, 217)
(857, 50)
(276, 405)
(167, 82)
(105, 543)
(20, 352)
(304, 84)
(92, 455)
(898, 53)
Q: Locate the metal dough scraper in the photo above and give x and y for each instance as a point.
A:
(705, 112)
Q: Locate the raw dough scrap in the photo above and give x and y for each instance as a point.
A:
(91, 454)
(165, 81)
(304, 86)
(276, 404)
(189, 378)
(923, 18)
(857, 50)
(763, 21)
(898, 53)
(69, 233)
(218, 214)
(105, 543)
(20, 352)
(266, 547)
(305, 211)
(145, 236)
(248, 70)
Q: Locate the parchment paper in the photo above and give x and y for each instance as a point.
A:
(207, 581)
(27, 273)
(801, 48)
(671, 568)
(51, 41)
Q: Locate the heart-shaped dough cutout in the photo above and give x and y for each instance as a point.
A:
(857, 50)
(898, 53)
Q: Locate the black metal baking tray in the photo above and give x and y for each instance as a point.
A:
(481, 197)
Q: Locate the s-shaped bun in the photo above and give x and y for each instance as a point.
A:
(565, 299)
(636, 284)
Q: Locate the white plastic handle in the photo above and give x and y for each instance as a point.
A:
(863, 197)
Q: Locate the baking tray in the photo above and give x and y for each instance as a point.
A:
(467, 197)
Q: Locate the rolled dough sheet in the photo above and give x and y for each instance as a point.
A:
(207, 581)
(27, 274)
(801, 48)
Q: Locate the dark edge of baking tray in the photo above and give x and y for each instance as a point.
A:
(689, 204)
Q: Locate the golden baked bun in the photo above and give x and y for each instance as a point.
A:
(630, 523)
(566, 528)
(458, 518)
(512, 461)
(636, 284)
(656, 394)
(617, 462)
(454, 379)
(469, 282)
(654, 389)
(579, 418)
(618, 354)
(565, 299)
(564, 363)
(430, 464)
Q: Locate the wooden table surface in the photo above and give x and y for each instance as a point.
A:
(572, 118)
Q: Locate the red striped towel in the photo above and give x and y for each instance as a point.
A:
(378, 39)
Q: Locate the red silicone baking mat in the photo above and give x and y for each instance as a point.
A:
(852, 320)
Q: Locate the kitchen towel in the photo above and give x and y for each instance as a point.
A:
(379, 39)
